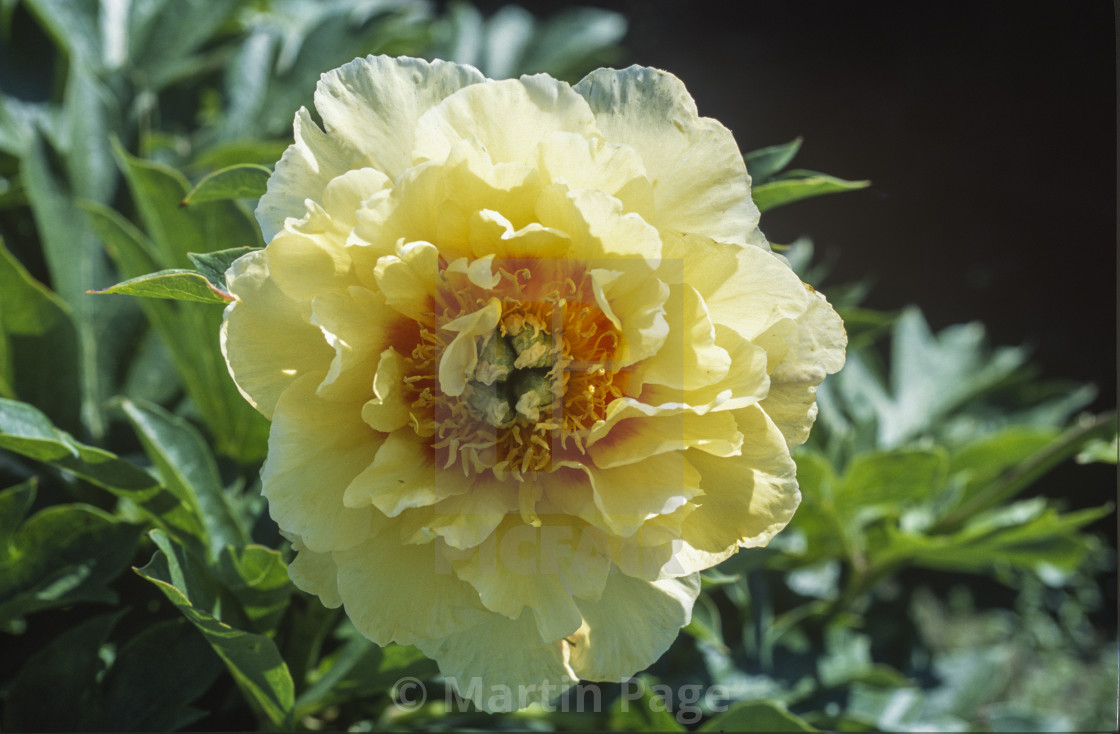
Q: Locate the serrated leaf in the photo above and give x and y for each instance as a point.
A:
(175, 285)
(252, 659)
(797, 185)
(61, 555)
(757, 716)
(243, 181)
(186, 467)
(764, 163)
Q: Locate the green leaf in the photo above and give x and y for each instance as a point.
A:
(639, 708)
(891, 477)
(62, 555)
(25, 430)
(39, 344)
(764, 163)
(213, 265)
(757, 716)
(142, 692)
(244, 181)
(185, 466)
(54, 689)
(158, 191)
(175, 285)
(252, 659)
(258, 578)
(796, 185)
(263, 153)
(190, 333)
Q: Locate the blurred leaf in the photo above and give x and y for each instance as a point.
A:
(185, 466)
(360, 669)
(175, 285)
(241, 152)
(245, 181)
(41, 354)
(190, 333)
(62, 555)
(639, 709)
(55, 687)
(757, 716)
(796, 185)
(25, 430)
(764, 163)
(163, 34)
(74, 27)
(158, 191)
(1025, 534)
(143, 692)
(892, 477)
(252, 659)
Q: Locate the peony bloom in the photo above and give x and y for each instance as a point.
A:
(529, 361)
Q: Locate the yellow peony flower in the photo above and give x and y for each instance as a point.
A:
(529, 361)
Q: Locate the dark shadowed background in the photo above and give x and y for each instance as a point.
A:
(987, 129)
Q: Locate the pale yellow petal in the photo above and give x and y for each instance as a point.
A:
(631, 625)
(811, 347)
(315, 573)
(690, 359)
(457, 363)
(401, 593)
(388, 410)
(358, 325)
(408, 279)
(700, 183)
(747, 499)
(745, 288)
(599, 228)
(502, 664)
(521, 566)
(315, 449)
(266, 337)
(592, 163)
(370, 106)
(508, 118)
(633, 440)
(402, 475)
(635, 303)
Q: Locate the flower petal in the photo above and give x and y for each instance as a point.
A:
(631, 625)
(266, 337)
(700, 183)
(403, 593)
(402, 475)
(508, 117)
(502, 665)
(315, 573)
(747, 499)
(810, 348)
(315, 449)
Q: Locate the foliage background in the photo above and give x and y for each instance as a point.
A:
(947, 569)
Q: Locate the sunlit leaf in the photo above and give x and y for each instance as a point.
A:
(797, 185)
(764, 163)
(175, 285)
(245, 181)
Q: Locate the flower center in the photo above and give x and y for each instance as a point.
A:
(545, 374)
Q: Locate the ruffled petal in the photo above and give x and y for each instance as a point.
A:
(537, 567)
(267, 338)
(402, 593)
(315, 573)
(315, 449)
(402, 475)
(804, 351)
(700, 183)
(631, 625)
(508, 118)
(502, 665)
(747, 499)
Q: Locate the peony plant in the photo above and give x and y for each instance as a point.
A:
(531, 365)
